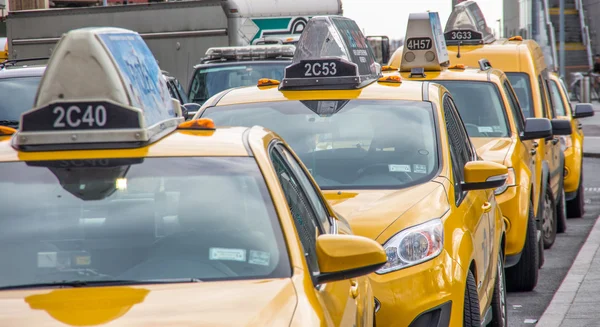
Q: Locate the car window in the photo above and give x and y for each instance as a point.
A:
(210, 218)
(349, 144)
(480, 106)
(543, 95)
(208, 81)
(314, 195)
(460, 151)
(515, 109)
(181, 92)
(304, 218)
(522, 86)
(564, 88)
(559, 105)
(17, 95)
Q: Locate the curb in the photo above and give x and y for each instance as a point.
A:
(561, 302)
(591, 155)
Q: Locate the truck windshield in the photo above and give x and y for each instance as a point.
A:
(138, 219)
(17, 95)
(522, 86)
(349, 144)
(208, 81)
(480, 106)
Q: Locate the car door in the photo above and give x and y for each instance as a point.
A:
(473, 205)
(339, 300)
(553, 150)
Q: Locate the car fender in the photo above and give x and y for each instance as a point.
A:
(544, 185)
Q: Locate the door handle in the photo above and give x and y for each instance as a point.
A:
(536, 144)
(580, 126)
(487, 207)
(555, 140)
(533, 152)
(354, 289)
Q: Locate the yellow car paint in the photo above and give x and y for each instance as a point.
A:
(293, 301)
(380, 214)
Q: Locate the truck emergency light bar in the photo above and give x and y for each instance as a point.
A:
(251, 52)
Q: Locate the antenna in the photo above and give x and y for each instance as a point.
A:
(458, 51)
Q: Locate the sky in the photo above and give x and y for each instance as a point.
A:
(389, 17)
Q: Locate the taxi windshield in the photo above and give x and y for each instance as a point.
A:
(522, 86)
(17, 95)
(480, 107)
(208, 81)
(349, 144)
(206, 218)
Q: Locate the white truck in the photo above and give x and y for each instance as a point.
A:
(178, 33)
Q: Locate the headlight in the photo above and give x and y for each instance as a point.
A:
(565, 142)
(414, 245)
(510, 181)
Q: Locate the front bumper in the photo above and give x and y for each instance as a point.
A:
(428, 294)
(572, 170)
(514, 207)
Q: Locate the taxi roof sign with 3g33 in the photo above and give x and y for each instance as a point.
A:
(467, 25)
(102, 89)
(425, 44)
(332, 53)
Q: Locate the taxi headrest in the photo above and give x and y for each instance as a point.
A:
(425, 47)
(467, 25)
(332, 53)
(102, 87)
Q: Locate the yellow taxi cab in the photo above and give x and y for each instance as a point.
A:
(495, 124)
(393, 158)
(122, 214)
(4, 47)
(572, 145)
(523, 63)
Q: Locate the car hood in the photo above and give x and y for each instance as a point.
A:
(371, 212)
(492, 148)
(233, 303)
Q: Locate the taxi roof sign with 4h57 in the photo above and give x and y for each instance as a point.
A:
(425, 47)
(332, 53)
(466, 25)
(102, 88)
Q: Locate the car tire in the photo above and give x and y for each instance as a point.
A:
(523, 276)
(561, 214)
(499, 306)
(549, 222)
(575, 207)
(472, 317)
(541, 254)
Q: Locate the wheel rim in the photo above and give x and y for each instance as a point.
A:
(504, 310)
(548, 219)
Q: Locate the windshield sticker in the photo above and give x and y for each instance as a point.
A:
(399, 168)
(259, 258)
(421, 169)
(47, 259)
(485, 129)
(227, 254)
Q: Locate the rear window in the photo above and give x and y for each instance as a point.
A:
(209, 218)
(522, 86)
(16, 96)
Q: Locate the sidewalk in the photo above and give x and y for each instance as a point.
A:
(591, 130)
(575, 303)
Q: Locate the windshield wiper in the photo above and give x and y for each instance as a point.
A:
(85, 283)
(9, 122)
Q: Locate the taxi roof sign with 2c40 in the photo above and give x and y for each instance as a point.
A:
(425, 46)
(332, 53)
(102, 88)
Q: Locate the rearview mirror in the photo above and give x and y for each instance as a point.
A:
(536, 128)
(483, 175)
(343, 257)
(191, 109)
(583, 110)
(561, 127)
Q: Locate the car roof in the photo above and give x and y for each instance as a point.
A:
(407, 90)
(510, 53)
(226, 141)
(218, 62)
(22, 71)
(471, 74)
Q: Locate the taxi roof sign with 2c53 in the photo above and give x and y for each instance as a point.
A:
(425, 44)
(102, 89)
(332, 53)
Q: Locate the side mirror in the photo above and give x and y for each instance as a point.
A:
(343, 257)
(484, 175)
(583, 110)
(536, 128)
(191, 109)
(561, 127)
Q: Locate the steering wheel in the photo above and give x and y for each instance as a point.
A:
(364, 170)
(473, 129)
